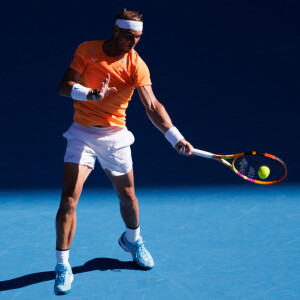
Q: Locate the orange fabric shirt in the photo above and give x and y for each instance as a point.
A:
(126, 72)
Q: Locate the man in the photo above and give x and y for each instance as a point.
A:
(101, 80)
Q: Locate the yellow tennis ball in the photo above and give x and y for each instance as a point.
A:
(263, 172)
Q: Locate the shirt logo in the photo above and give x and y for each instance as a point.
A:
(94, 59)
(119, 69)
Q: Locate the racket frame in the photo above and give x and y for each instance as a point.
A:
(223, 159)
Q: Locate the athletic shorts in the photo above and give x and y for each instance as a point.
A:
(110, 145)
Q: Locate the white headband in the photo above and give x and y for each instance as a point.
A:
(129, 24)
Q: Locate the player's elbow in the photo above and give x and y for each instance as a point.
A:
(150, 107)
(60, 89)
(64, 88)
(153, 105)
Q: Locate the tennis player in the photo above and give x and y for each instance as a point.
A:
(101, 80)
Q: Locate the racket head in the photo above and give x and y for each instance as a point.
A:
(247, 164)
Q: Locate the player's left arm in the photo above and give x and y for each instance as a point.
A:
(160, 118)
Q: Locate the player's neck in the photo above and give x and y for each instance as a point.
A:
(110, 48)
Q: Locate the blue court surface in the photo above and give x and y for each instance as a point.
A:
(227, 242)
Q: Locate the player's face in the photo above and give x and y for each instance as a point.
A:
(126, 40)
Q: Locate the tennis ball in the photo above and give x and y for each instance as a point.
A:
(263, 172)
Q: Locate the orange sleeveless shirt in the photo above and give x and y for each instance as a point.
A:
(126, 73)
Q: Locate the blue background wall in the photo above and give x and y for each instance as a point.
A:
(226, 71)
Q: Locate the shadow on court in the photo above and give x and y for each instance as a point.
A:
(101, 264)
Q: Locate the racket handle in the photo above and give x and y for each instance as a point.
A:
(202, 153)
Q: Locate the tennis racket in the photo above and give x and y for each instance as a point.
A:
(247, 164)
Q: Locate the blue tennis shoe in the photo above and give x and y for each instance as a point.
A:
(63, 279)
(139, 253)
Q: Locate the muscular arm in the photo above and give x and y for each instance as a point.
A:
(154, 109)
(159, 116)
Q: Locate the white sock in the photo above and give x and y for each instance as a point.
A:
(62, 257)
(132, 235)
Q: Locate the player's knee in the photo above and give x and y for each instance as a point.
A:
(68, 205)
(128, 198)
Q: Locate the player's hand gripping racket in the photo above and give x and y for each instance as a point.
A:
(256, 167)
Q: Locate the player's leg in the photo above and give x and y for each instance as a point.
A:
(130, 241)
(79, 161)
(114, 155)
(124, 188)
(74, 177)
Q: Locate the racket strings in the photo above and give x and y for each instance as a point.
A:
(249, 165)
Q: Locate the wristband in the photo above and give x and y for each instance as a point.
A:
(79, 92)
(173, 136)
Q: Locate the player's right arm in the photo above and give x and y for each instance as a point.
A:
(160, 118)
(71, 77)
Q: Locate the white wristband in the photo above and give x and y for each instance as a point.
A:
(79, 92)
(173, 136)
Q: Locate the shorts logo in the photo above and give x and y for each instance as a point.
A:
(71, 155)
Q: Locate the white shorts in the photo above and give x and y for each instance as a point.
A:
(110, 145)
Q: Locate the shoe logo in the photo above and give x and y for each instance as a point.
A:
(94, 59)
(76, 88)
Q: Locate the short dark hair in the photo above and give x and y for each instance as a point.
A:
(130, 15)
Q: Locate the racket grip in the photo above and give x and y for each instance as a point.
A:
(202, 153)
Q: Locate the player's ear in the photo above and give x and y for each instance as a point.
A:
(116, 30)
